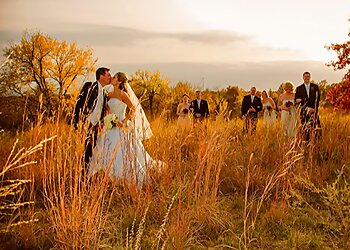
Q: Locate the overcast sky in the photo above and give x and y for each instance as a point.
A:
(214, 43)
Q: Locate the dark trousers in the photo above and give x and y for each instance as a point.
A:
(90, 142)
(250, 124)
(311, 127)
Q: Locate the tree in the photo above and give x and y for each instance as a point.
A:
(150, 88)
(324, 88)
(339, 95)
(218, 101)
(232, 98)
(280, 89)
(42, 66)
(180, 89)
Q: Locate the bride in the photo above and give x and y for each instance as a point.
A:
(289, 114)
(119, 149)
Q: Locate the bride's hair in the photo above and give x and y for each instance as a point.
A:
(122, 78)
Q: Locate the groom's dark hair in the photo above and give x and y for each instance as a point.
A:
(306, 73)
(101, 71)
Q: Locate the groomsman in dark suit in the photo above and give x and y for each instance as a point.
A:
(307, 97)
(91, 107)
(199, 108)
(251, 105)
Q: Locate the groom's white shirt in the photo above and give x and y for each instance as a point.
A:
(307, 87)
(96, 113)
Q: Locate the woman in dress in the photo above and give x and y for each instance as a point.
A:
(289, 114)
(269, 108)
(183, 112)
(119, 150)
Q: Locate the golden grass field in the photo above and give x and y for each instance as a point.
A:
(217, 190)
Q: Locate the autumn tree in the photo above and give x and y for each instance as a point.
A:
(339, 95)
(217, 101)
(180, 89)
(40, 66)
(151, 88)
(280, 89)
(233, 101)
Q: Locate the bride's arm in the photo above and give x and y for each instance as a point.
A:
(126, 99)
(178, 109)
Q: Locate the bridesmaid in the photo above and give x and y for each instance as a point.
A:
(286, 105)
(269, 108)
(183, 112)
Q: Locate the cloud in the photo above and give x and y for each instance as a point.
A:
(122, 36)
(104, 35)
(210, 37)
(133, 45)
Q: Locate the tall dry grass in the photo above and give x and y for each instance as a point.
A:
(218, 187)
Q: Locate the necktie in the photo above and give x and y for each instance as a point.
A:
(307, 89)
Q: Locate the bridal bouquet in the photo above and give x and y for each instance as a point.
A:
(185, 111)
(289, 104)
(110, 121)
(269, 109)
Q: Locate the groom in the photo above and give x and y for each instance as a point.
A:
(199, 107)
(91, 108)
(307, 97)
(251, 105)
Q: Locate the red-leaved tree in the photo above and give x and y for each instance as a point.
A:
(339, 95)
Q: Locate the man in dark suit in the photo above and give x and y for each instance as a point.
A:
(251, 105)
(307, 97)
(199, 108)
(91, 107)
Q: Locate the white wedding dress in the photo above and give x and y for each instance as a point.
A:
(289, 119)
(270, 117)
(119, 152)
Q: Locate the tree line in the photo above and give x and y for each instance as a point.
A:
(42, 75)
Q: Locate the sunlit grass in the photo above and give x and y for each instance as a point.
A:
(218, 187)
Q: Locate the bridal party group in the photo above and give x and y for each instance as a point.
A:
(302, 101)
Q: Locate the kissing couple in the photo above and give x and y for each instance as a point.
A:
(114, 136)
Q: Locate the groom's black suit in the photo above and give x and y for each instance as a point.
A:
(251, 117)
(308, 101)
(247, 104)
(203, 109)
(85, 105)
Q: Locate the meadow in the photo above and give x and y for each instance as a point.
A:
(218, 189)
